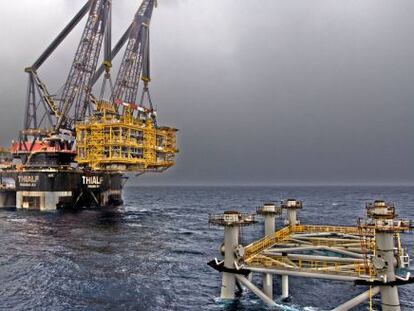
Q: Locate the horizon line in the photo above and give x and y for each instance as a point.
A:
(260, 184)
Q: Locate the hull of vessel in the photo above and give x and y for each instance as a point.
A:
(51, 189)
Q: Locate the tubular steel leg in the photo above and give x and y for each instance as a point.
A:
(228, 286)
(231, 240)
(292, 217)
(389, 298)
(385, 250)
(250, 277)
(269, 222)
(268, 285)
(285, 287)
(255, 290)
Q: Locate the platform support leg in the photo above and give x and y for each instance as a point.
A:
(285, 287)
(231, 240)
(269, 224)
(250, 276)
(385, 250)
(268, 285)
(292, 216)
(255, 290)
(228, 285)
(389, 298)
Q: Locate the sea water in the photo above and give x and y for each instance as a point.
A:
(151, 253)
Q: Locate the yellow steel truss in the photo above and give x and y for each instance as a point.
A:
(286, 232)
(356, 269)
(108, 141)
(255, 253)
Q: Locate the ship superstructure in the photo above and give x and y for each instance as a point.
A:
(76, 146)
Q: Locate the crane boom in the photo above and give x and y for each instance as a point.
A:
(113, 53)
(127, 81)
(62, 36)
(77, 89)
(97, 135)
(34, 80)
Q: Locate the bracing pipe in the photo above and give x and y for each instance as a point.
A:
(354, 302)
(255, 290)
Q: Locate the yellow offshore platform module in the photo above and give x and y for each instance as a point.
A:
(127, 142)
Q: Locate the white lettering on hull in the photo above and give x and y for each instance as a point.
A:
(28, 180)
(92, 181)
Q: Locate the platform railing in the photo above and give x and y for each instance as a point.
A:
(266, 242)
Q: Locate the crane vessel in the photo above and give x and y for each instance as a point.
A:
(76, 148)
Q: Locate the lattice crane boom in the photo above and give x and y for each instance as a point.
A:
(35, 84)
(77, 89)
(131, 69)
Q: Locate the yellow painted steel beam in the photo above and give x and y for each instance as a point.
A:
(285, 234)
(356, 269)
(107, 141)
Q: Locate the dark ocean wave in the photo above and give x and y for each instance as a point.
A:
(151, 254)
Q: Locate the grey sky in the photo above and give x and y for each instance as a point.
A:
(269, 91)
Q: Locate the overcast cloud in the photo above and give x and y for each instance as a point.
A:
(269, 91)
